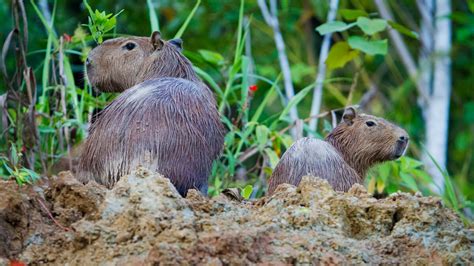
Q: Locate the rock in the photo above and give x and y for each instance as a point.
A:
(144, 220)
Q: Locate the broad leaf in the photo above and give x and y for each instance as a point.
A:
(409, 181)
(371, 26)
(339, 55)
(262, 136)
(247, 191)
(367, 46)
(352, 14)
(334, 26)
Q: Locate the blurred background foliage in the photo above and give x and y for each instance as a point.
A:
(254, 103)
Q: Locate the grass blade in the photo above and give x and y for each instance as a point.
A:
(154, 23)
(186, 22)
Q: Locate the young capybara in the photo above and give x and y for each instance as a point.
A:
(169, 123)
(352, 147)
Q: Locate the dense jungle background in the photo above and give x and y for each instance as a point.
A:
(279, 70)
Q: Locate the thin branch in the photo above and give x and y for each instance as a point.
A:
(272, 20)
(323, 54)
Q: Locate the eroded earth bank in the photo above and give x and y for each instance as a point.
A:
(143, 220)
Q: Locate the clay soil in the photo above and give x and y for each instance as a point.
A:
(144, 221)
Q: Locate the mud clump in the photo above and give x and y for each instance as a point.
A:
(144, 220)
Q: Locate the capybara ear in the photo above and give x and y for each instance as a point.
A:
(349, 115)
(156, 40)
(178, 43)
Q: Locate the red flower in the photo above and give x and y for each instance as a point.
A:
(67, 37)
(23, 149)
(253, 88)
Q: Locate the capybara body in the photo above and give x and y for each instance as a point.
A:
(343, 158)
(167, 124)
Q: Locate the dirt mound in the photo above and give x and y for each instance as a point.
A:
(144, 220)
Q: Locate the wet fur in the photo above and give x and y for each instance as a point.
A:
(344, 157)
(168, 123)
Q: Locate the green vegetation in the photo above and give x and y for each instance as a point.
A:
(46, 104)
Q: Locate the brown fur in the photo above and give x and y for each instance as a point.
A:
(344, 157)
(111, 67)
(170, 125)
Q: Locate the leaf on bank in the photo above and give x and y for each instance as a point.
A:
(352, 14)
(334, 26)
(368, 46)
(371, 26)
(339, 55)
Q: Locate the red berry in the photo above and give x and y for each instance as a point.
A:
(67, 37)
(253, 88)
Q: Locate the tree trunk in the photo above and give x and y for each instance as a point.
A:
(436, 111)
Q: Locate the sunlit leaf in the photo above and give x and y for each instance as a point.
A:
(371, 26)
(339, 55)
(334, 26)
(247, 191)
(367, 46)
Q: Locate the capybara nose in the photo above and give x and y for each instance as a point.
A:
(403, 138)
(88, 62)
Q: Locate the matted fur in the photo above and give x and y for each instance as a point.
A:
(169, 125)
(344, 157)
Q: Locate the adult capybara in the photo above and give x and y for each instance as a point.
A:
(352, 147)
(119, 64)
(168, 124)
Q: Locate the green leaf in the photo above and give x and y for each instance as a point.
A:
(295, 100)
(367, 46)
(212, 57)
(181, 30)
(339, 55)
(272, 156)
(334, 26)
(371, 26)
(247, 191)
(408, 164)
(352, 14)
(403, 30)
(262, 136)
(409, 181)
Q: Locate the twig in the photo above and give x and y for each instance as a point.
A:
(51, 216)
(272, 20)
(323, 54)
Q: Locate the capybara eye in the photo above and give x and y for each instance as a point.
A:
(370, 123)
(130, 46)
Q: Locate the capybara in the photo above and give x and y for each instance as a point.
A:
(119, 64)
(343, 158)
(169, 123)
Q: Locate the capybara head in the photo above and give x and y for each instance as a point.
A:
(121, 63)
(364, 140)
